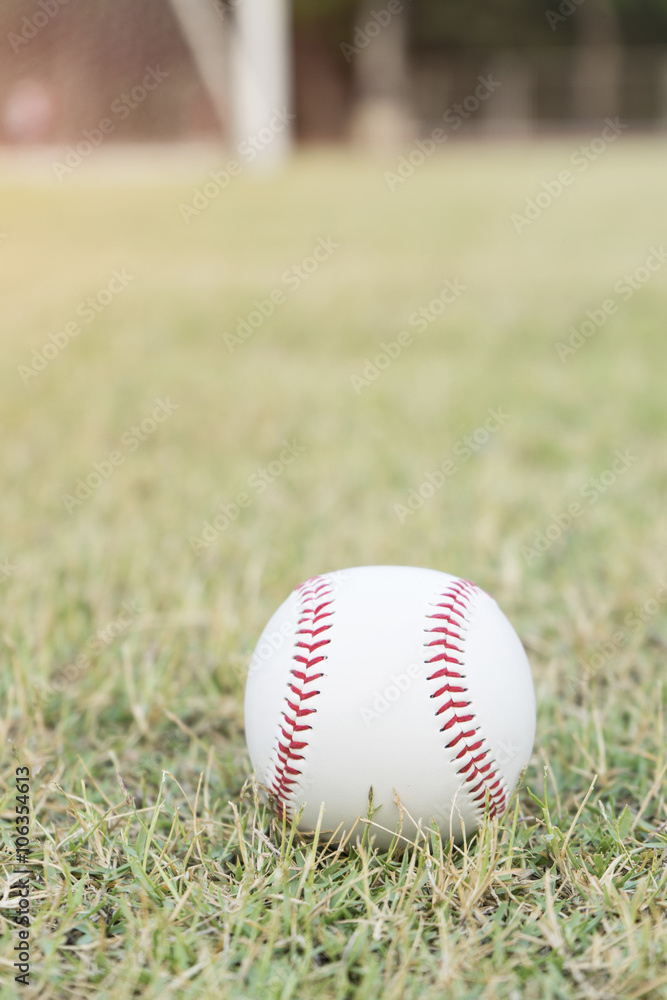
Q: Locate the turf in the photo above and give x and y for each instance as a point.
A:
(127, 624)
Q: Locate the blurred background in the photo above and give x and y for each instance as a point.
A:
(374, 73)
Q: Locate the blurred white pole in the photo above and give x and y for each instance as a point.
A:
(202, 27)
(261, 66)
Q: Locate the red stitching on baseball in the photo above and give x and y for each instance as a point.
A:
(477, 767)
(315, 594)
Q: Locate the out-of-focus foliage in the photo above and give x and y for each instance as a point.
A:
(505, 23)
(514, 22)
(643, 22)
(459, 23)
(323, 10)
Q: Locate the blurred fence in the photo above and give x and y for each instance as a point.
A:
(69, 67)
(543, 89)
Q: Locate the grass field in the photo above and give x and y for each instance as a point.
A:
(127, 624)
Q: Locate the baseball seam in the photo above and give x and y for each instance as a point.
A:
(316, 599)
(478, 769)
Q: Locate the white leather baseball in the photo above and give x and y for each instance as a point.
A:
(408, 681)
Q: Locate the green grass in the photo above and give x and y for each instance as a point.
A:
(172, 881)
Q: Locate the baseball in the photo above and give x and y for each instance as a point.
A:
(408, 682)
